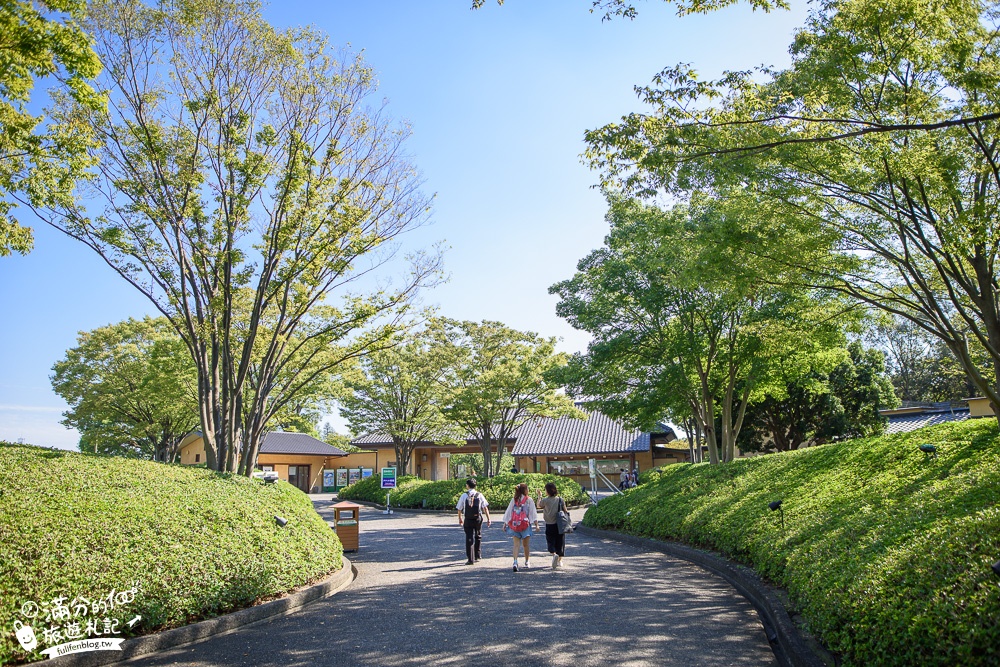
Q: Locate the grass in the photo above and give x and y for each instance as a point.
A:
(196, 543)
(414, 492)
(886, 554)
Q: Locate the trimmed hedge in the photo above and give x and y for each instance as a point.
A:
(198, 543)
(886, 554)
(413, 492)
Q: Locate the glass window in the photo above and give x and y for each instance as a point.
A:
(609, 467)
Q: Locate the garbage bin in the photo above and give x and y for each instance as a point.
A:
(345, 522)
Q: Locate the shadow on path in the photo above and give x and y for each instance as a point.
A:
(415, 602)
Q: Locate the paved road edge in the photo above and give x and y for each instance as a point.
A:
(189, 634)
(788, 643)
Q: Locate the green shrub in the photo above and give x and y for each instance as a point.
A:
(197, 543)
(370, 489)
(415, 492)
(886, 555)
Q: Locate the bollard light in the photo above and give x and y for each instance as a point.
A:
(280, 521)
(775, 505)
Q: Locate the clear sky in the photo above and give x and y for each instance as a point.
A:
(498, 101)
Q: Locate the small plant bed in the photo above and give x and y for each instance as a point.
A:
(886, 551)
(414, 492)
(170, 544)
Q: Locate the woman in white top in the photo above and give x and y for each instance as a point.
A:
(518, 520)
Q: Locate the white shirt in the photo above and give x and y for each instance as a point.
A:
(483, 503)
(529, 508)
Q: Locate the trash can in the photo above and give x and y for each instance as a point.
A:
(345, 522)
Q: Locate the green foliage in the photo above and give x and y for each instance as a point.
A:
(869, 163)
(885, 554)
(199, 543)
(500, 378)
(414, 492)
(840, 400)
(921, 366)
(41, 39)
(401, 391)
(131, 387)
(246, 181)
(685, 323)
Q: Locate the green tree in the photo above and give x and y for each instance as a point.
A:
(683, 323)
(921, 366)
(401, 392)
(41, 38)
(132, 389)
(875, 152)
(499, 379)
(840, 397)
(244, 184)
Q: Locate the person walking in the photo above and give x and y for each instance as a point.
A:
(633, 480)
(623, 484)
(517, 522)
(551, 505)
(471, 508)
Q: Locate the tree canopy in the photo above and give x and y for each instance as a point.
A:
(875, 153)
(245, 183)
(499, 379)
(38, 161)
(132, 389)
(401, 392)
(684, 324)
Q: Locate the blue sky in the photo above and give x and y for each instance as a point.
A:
(498, 101)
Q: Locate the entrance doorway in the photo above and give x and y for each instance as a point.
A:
(298, 476)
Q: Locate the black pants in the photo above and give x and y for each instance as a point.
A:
(554, 541)
(474, 539)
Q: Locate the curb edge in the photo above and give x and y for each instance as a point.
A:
(196, 632)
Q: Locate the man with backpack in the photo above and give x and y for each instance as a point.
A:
(471, 508)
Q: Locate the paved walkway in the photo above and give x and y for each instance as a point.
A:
(415, 602)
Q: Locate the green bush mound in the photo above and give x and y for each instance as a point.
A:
(885, 553)
(412, 491)
(197, 543)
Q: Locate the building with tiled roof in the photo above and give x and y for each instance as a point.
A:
(904, 420)
(298, 458)
(561, 446)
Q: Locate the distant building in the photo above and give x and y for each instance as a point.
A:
(559, 446)
(298, 458)
(910, 418)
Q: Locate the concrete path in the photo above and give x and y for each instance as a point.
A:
(415, 602)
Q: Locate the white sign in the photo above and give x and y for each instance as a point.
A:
(593, 468)
(446, 455)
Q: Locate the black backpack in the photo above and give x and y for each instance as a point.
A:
(473, 509)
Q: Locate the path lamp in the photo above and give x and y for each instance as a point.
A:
(280, 521)
(930, 451)
(775, 505)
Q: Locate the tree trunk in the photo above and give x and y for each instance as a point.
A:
(708, 424)
(403, 452)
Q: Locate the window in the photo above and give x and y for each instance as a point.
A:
(609, 467)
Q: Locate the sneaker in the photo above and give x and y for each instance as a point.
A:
(560, 561)
(478, 558)
(468, 562)
(555, 561)
(526, 566)
(515, 566)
